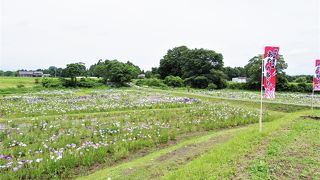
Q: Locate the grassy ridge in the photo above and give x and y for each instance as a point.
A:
(292, 154)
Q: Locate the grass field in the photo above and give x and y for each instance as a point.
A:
(13, 82)
(138, 133)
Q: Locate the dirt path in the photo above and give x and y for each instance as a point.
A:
(169, 159)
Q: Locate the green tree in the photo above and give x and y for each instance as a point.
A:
(253, 70)
(218, 78)
(118, 72)
(301, 80)
(52, 70)
(193, 65)
(199, 62)
(9, 73)
(172, 62)
(234, 72)
(73, 70)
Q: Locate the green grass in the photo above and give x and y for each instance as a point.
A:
(291, 155)
(13, 82)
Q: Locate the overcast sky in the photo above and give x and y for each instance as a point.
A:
(39, 33)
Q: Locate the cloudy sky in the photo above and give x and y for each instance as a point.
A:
(39, 33)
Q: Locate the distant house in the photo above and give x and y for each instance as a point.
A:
(30, 73)
(240, 79)
(141, 76)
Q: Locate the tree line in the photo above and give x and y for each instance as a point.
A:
(180, 66)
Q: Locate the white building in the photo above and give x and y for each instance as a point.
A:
(30, 73)
(240, 79)
(141, 76)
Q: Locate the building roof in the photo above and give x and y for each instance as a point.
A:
(29, 72)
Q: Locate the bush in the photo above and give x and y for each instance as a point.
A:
(20, 86)
(212, 86)
(197, 82)
(288, 87)
(150, 82)
(174, 81)
(235, 85)
(52, 83)
(300, 87)
(36, 81)
(88, 83)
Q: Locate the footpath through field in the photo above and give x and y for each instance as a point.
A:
(216, 155)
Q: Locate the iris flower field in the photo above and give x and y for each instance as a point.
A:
(71, 133)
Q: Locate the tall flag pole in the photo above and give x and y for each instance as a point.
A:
(316, 80)
(268, 75)
(261, 96)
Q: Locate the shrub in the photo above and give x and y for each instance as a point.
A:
(52, 83)
(212, 86)
(36, 81)
(174, 81)
(150, 82)
(197, 82)
(289, 87)
(20, 86)
(235, 85)
(88, 83)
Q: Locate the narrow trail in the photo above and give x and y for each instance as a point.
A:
(168, 159)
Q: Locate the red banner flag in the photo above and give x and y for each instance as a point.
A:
(271, 55)
(316, 80)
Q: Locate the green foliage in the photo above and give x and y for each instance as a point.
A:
(235, 85)
(8, 73)
(212, 86)
(301, 80)
(115, 71)
(15, 90)
(218, 78)
(197, 82)
(259, 170)
(287, 87)
(234, 72)
(73, 70)
(52, 83)
(152, 82)
(300, 87)
(172, 62)
(36, 81)
(198, 67)
(174, 81)
(253, 70)
(118, 72)
(89, 83)
(20, 86)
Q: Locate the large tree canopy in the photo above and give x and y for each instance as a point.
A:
(75, 69)
(115, 71)
(172, 62)
(197, 66)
